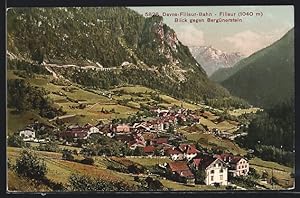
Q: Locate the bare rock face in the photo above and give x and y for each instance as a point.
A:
(212, 59)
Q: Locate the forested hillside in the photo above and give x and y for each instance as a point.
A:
(116, 38)
(266, 78)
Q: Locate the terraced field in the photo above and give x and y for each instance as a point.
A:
(96, 101)
(210, 141)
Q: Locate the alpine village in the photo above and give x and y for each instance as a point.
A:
(104, 99)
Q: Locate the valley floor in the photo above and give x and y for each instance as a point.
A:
(121, 102)
(59, 170)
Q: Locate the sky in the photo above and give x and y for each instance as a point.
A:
(252, 34)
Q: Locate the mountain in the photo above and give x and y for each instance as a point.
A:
(266, 78)
(212, 59)
(104, 47)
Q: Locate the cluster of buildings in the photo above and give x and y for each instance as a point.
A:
(218, 169)
(155, 138)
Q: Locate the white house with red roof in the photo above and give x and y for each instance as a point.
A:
(174, 153)
(216, 170)
(189, 151)
(91, 130)
(238, 166)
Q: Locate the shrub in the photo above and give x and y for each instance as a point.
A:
(15, 141)
(254, 173)
(119, 168)
(154, 184)
(200, 176)
(88, 160)
(29, 165)
(135, 169)
(49, 146)
(217, 185)
(265, 175)
(137, 179)
(67, 155)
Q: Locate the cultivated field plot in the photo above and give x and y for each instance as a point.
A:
(238, 112)
(59, 170)
(134, 89)
(280, 172)
(210, 141)
(172, 101)
(19, 121)
(147, 161)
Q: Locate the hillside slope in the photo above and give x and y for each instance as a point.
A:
(115, 38)
(266, 78)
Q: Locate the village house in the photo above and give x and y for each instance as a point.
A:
(174, 153)
(121, 128)
(27, 134)
(91, 129)
(134, 144)
(74, 132)
(125, 138)
(103, 128)
(138, 141)
(189, 151)
(238, 166)
(179, 171)
(149, 150)
(148, 136)
(161, 112)
(216, 170)
(143, 127)
(158, 141)
(157, 125)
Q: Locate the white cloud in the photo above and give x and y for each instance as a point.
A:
(191, 36)
(248, 42)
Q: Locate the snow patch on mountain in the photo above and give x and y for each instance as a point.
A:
(212, 59)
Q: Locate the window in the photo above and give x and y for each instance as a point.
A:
(221, 170)
(212, 171)
(212, 178)
(219, 164)
(215, 165)
(221, 177)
